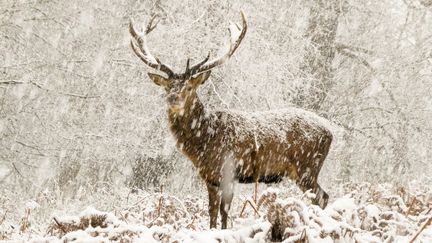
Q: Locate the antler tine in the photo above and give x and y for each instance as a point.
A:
(187, 66)
(142, 51)
(150, 25)
(233, 47)
(242, 34)
(195, 67)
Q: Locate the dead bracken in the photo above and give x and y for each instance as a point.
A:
(366, 216)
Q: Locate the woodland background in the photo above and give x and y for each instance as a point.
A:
(78, 114)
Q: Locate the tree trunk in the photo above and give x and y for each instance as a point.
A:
(316, 66)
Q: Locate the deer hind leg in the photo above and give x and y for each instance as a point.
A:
(310, 182)
(321, 197)
(226, 199)
(214, 201)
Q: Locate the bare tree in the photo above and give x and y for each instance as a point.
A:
(320, 52)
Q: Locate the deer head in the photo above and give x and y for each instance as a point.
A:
(181, 87)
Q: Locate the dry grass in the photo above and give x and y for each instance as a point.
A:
(382, 215)
(365, 213)
(59, 228)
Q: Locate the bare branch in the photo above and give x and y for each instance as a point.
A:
(353, 48)
(428, 222)
(11, 82)
(355, 57)
(65, 93)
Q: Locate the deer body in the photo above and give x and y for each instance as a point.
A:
(229, 146)
(265, 145)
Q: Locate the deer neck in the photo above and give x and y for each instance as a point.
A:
(188, 127)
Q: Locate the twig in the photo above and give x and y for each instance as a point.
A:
(60, 225)
(243, 208)
(350, 128)
(252, 204)
(16, 169)
(48, 17)
(123, 217)
(160, 203)
(32, 147)
(25, 221)
(159, 207)
(38, 85)
(138, 202)
(218, 95)
(191, 225)
(303, 234)
(256, 192)
(26, 145)
(64, 93)
(3, 218)
(11, 82)
(429, 221)
(410, 206)
(353, 48)
(80, 96)
(356, 57)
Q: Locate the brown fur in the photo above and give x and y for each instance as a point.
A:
(209, 140)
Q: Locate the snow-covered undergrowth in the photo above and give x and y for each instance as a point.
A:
(362, 213)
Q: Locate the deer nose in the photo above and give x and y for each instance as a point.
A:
(173, 99)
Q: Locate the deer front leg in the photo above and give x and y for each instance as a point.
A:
(214, 202)
(226, 199)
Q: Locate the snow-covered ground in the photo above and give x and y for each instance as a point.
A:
(359, 213)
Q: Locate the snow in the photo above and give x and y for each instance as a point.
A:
(159, 217)
(52, 49)
(374, 88)
(276, 123)
(32, 205)
(4, 171)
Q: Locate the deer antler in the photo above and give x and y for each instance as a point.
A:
(234, 44)
(196, 66)
(142, 50)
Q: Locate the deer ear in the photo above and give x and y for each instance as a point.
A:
(159, 80)
(201, 78)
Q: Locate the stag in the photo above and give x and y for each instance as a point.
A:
(228, 146)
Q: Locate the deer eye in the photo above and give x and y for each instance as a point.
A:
(189, 88)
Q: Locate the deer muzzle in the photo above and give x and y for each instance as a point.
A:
(175, 102)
